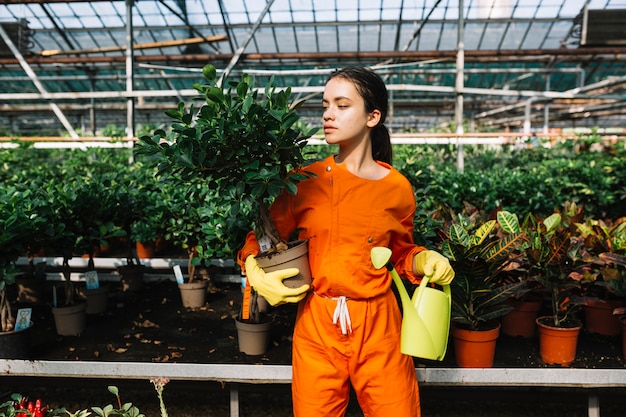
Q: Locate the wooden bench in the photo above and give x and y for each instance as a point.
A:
(589, 379)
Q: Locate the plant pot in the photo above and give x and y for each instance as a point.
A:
(475, 348)
(70, 320)
(97, 299)
(29, 290)
(253, 338)
(557, 345)
(520, 322)
(599, 317)
(193, 294)
(297, 256)
(145, 249)
(16, 344)
(622, 320)
(131, 277)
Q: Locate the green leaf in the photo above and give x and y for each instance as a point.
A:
(552, 222)
(209, 72)
(509, 222)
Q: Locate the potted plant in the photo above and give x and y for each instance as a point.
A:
(478, 253)
(604, 282)
(550, 255)
(247, 149)
(18, 224)
(186, 208)
(81, 208)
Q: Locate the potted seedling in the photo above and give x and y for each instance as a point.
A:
(478, 252)
(245, 145)
(19, 223)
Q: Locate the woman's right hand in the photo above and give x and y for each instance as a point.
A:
(270, 285)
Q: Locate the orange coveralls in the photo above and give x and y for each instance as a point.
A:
(343, 217)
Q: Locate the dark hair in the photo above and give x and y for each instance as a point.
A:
(374, 93)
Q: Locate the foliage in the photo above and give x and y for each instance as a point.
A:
(245, 149)
(478, 253)
(550, 254)
(83, 210)
(533, 179)
(20, 223)
(603, 245)
(20, 406)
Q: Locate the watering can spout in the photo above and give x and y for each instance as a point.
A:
(426, 317)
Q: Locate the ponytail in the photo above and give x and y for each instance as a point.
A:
(381, 144)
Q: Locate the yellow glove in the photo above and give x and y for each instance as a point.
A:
(270, 285)
(434, 266)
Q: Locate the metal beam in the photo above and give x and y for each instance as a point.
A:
(245, 43)
(33, 77)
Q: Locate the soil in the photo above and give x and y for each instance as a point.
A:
(151, 325)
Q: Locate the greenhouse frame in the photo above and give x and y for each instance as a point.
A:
(93, 68)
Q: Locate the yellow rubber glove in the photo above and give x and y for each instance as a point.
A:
(434, 266)
(270, 285)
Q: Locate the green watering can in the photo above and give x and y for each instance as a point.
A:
(425, 318)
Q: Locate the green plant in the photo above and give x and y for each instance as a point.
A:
(248, 150)
(478, 253)
(82, 209)
(550, 256)
(603, 245)
(20, 223)
(20, 406)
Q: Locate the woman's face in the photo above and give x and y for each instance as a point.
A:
(345, 118)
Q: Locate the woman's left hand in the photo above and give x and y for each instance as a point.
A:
(434, 266)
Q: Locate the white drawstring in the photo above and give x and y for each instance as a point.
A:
(342, 314)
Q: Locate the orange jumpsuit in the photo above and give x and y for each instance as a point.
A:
(343, 217)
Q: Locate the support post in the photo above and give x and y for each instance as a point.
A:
(593, 404)
(234, 401)
(458, 111)
(130, 51)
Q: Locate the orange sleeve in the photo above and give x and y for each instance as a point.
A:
(250, 247)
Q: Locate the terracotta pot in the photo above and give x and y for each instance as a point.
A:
(521, 320)
(253, 338)
(557, 345)
(145, 249)
(475, 348)
(193, 294)
(70, 321)
(599, 317)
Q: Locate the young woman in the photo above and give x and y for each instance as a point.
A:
(347, 330)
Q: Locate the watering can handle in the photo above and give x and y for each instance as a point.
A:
(424, 283)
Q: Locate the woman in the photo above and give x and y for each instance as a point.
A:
(347, 328)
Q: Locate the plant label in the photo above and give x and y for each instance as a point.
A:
(265, 243)
(92, 280)
(178, 274)
(23, 318)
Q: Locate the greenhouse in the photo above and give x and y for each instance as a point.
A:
(310, 207)
(77, 68)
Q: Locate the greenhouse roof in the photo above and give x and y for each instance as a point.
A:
(522, 59)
